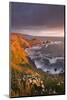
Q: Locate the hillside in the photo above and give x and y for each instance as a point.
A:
(24, 73)
(18, 55)
(20, 64)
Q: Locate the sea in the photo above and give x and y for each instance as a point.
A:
(48, 57)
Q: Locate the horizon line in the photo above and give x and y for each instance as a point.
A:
(36, 35)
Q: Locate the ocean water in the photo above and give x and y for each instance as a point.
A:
(49, 57)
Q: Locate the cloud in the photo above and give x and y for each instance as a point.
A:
(37, 19)
(41, 31)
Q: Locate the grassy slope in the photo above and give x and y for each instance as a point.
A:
(20, 64)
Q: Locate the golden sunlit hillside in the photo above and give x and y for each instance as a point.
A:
(18, 55)
(26, 79)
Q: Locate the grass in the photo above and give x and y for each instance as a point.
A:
(50, 83)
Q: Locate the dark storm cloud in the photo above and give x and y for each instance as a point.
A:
(23, 15)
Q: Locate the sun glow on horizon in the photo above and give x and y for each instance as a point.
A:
(41, 32)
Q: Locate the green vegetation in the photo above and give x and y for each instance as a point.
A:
(20, 85)
(26, 79)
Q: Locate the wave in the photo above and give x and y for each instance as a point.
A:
(48, 57)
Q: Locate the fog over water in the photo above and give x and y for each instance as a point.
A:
(49, 57)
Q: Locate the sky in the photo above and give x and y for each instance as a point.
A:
(37, 19)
